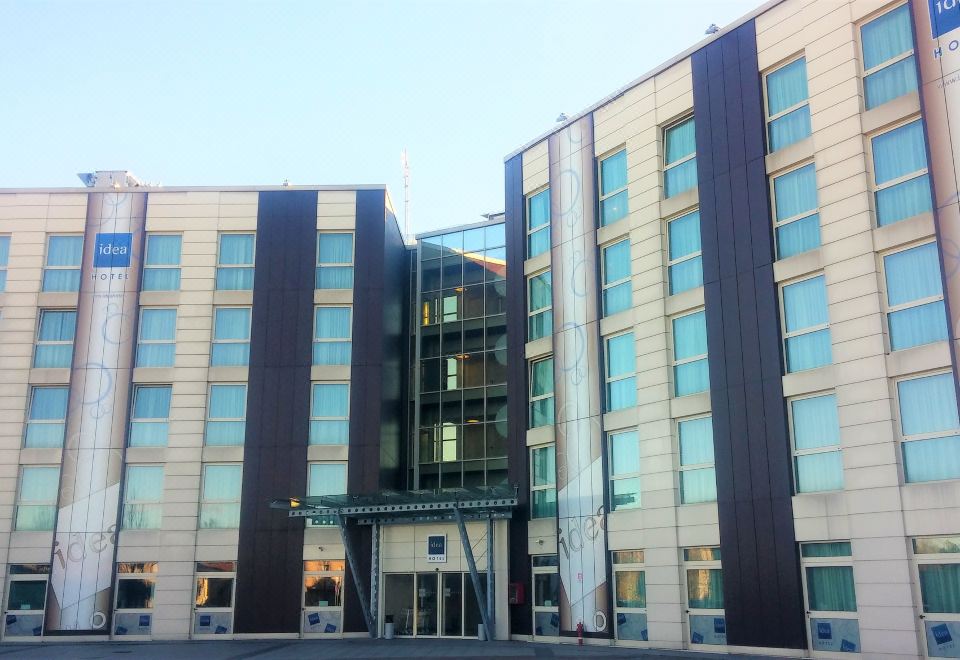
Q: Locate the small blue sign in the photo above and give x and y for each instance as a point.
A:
(330, 628)
(437, 548)
(121, 630)
(847, 646)
(37, 631)
(144, 620)
(621, 618)
(11, 618)
(941, 634)
(719, 625)
(643, 635)
(205, 620)
(944, 16)
(112, 250)
(824, 631)
(221, 630)
(313, 618)
(555, 620)
(696, 638)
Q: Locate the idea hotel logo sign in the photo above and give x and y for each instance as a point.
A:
(944, 16)
(112, 251)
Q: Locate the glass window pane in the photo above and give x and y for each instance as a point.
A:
(541, 291)
(49, 403)
(680, 178)
(228, 401)
(624, 453)
(327, 479)
(696, 441)
(631, 589)
(541, 377)
(681, 141)
(815, 422)
(919, 325)
(904, 200)
(819, 472)
(334, 248)
(786, 87)
(152, 402)
(698, 485)
(617, 298)
(912, 274)
(236, 249)
(65, 251)
(937, 545)
(686, 275)
(613, 172)
(621, 355)
(330, 400)
(222, 482)
(544, 466)
(805, 304)
(689, 336)
(899, 152)
(795, 192)
(161, 279)
(886, 37)
(684, 235)
(332, 323)
(27, 595)
(932, 460)
(57, 325)
(135, 594)
(692, 377)
(232, 323)
(158, 324)
(538, 210)
(890, 82)
(928, 404)
(705, 588)
(616, 262)
(790, 128)
(144, 483)
(162, 250)
(809, 351)
(798, 236)
(39, 484)
(624, 494)
(831, 589)
(613, 208)
(830, 549)
(544, 503)
(940, 588)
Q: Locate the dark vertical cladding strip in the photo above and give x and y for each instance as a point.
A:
(521, 617)
(761, 566)
(278, 394)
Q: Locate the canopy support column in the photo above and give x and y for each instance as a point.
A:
(474, 575)
(375, 576)
(357, 577)
(491, 607)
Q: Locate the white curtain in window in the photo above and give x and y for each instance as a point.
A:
(163, 250)
(222, 483)
(624, 453)
(928, 404)
(332, 323)
(232, 323)
(681, 141)
(796, 192)
(696, 441)
(815, 422)
(65, 251)
(613, 172)
(899, 152)
(886, 37)
(932, 460)
(236, 249)
(334, 248)
(330, 400)
(689, 336)
(327, 479)
(144, 483)
(787, 86)
(890, 82)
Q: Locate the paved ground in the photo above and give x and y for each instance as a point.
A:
(304, 649)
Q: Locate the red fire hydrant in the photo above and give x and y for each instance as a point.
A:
(580, 633)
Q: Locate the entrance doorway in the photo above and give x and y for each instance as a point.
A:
(431, 604)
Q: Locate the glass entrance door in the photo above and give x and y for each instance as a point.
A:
(427, 605)
(452, 604)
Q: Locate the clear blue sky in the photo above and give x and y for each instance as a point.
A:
(227, 92)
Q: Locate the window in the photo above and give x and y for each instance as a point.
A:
(617, 286)
(543, 485)
(538, 223)
(915, 310)
(889, 70)
(815, 427)
(62, 269)
(322, 594)
(26, 599)
(831, 596)
(220, 500)
(331, 335)
(37, 498)
(235, 262)
(161, 265)
(226, 415)
(334, 261)
(698, 477)
(231, 337)
(546, 595)
(214, 601)
(806, 325)
(930, 428)
(613, 188)
(704, 576)
(621, 369)
(796, 211)
(329, 414)
(624, 470)
(4, 261)
(136, 585)
(326, 479)
(151, 413)
(691, 373)
(938, 574)
(142, 495)
(157, 341)
(55, 339)
(686, 265)
(900, 174)
(47, 416)
(630, 594)
(539, 306)
(788, 110)
(541, 393)
(679, 158)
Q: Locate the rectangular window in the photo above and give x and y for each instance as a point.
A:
(325, 479)
(543, 485)
(161, 264)
(915, 308)
(630, 594)
(142, 497)
(698, 477)
(930, 428)
(685, 262)
(329, 414)
(323, 588)
(157, 340)
(539, 306)
(624, 470)
(331, 335)
(900, 174)
(231, 337)
(151, 414)
(705, 613)
(37, 498)
(235, 262)
(679, 158)
(889, 70)
(538, 223)
(691, 373)
(796, 211)
(621, 369)
(806, 324)
(831, 596)
(613, 188)
(220, 500)
(541, 393)
(136, 583)
(939, 572)
(4, 261)
(815, 428)
(788, 109)
(226, 415)
(55, 336)
(546, 595)
(617, 285)
(334, 261)
(61, 272)
(214, 597)
(47, 416)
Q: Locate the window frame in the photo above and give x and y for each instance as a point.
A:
(626, 476)
(919, 437)
(607, 286)
(137, 387)
(148, 574)
(39, 574)
(865, 72)
(147, 505)
(877, 188)
(782, 286)
(332, 340)
(213, 335)
(148, 267)
(209, 418)
(326, 568)
(319, 418)
(541, 311)
(205, 575)
(931, 559)
(545, 226)
(205, 500)
(29, 421)
(838, 561)
(609, 380)
(532, 399)
(228, 267)
(156, 342)
(550, 485)
(543, 569)
(689, 565)
(694, 467)
(893, 309)
(778, 222)
(34, 504)
(770, 119)
(825, 449)
(601, 198)
(687, 257)
(318, 265)
(38, 342)
(48, 267)
(674, 362)
(5, 262)
(627, 567)
(665, 166)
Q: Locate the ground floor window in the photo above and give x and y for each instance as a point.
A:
(213, 608)
(136, 584)
(706, 621)
(937, 561)
(831, 596)
(26, 599)
(322, 596)
(546, 595)
(431, 604)
(630, 589)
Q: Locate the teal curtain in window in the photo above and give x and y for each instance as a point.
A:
(831, 589)
(684, 235)
(162, 250)
(681, 140)
(624, 493)
(616, 267)
(236, 250)
(330, 400)
(829, 549)
(538, 242)
(334, 248)
(940, 588)
(4, 250)
(222, 482)
(544, 503)
(698, 485)
(231, 324)
(819, 472)
(796, 192)
(689, 336)
(613, 172)
(48, 405)
(65, 251)
(631, 589)
(790, 128)
(904, 200)
(331, 323)
(815, 422)
(334, 277)
(613, 208)
(787, 86)
(899, 152)
(686, 275)
(914, 326)
(144, 483)
(150, 403)
(227, 402)
(544, 466)
(890, 82)
(798, 236)
(157, 325)
(932, 460)
(617, 298)
(809, 351)
(886, 37)
(705, 589)
(680, 178)
(913, 274)
(55, 326)
(541, 384)
(805, 305)
(624, 453)
(38, 496)
(621, 355)
(539, 210)
(621, 394)
(327, 479)
(696, 441)
(928, 404)
(691, 377)
(541, 297)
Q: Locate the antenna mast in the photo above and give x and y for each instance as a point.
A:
(405, 164)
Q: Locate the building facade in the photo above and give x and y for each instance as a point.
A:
(710, 348)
